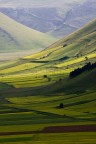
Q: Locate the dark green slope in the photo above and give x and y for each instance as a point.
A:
(86, 82)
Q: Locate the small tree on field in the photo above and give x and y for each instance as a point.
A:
(45, 76)
(61, 105)
(64, 45)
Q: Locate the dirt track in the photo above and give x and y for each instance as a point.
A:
(56, 129)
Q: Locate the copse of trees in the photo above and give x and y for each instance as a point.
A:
(78, 71)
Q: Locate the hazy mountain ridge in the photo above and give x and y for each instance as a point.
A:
(41, 19)
(39, 3)
(82, 14)
(42, 16)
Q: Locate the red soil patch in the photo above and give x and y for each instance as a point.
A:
(64, 129)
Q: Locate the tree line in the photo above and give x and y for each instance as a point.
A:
(78, 71)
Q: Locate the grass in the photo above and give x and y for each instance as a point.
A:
(73, 104)
(20, 67)
(79, 44)
(77, 60)
(52, 138)
(35, 112)
(28, 101)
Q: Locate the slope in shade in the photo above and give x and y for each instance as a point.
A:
(16, 37)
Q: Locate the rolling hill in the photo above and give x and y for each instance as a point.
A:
(16, 37)
(78, 48)
(57, 18)
(40, 15)
(32, 90)
(77, 44)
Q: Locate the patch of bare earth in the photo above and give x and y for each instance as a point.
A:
(65, 129)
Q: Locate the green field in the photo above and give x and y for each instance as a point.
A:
(32, 89)
(30, 102)
(87, 138)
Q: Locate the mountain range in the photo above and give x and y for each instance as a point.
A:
(58, 19)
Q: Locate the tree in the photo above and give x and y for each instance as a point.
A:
(45, 76)
(64, 45)
(86, 58)
(60, 79)
(61, 105)
(78, 71)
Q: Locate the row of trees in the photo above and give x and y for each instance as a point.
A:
(86, 67)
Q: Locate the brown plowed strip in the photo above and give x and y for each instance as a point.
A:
(56, 129)
(65, 129)
(19, 133)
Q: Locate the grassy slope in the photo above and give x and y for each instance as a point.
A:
(15, 36)
(34, 101)
(79, 34)
(79, 43)
(78, 85)
(35, 112)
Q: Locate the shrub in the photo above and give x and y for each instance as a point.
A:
(61, 105)
(45, 76)
(64, 45)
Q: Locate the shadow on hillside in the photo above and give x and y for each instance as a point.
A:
(5, 86)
